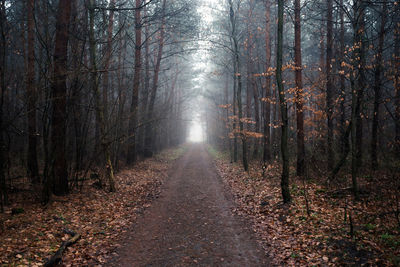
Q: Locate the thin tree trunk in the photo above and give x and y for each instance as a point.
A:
(132, 153)
(239, 88)
(234, 130)
(342, 81)
(357, 91)
(299, 91)
(3, 189)
(146, 89)
(284, 139)
(33, 169)
(99, 108)
(59, 183)
(329, 82)
(396, 61)
(150, 131)
(377, 89)
(107, 61)
(267, 103)
(121, 95)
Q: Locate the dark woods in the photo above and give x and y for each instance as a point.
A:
(88, 86)
(315, 84)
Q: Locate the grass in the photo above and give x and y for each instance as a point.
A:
(217, 154)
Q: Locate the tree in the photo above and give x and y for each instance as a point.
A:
(105, 144)
(357, 90)
(329, 80)
(267, 103)
(3, 88)
(59, 177)
(150, 133)
(283, 107)
(377, 87)
(239, 84)
(33, 168)
(299, 90)
(132, 154)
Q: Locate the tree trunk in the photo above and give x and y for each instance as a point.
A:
(239, 88)
(344, 139)
(299, 90)
(357, 91)
(396, 61)
(59, 181)
(377, 88)
(3, 189)
(283, 105)
(99, 107)
(33, 169)
(133, 120)
(150, 131)
(329, 82)
(146, 89)
(107, 60)
(234, 130)
(267, 103)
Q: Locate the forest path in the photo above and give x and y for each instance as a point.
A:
(191, 223)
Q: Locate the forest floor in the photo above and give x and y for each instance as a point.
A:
(191, 207)
(30, 232)
(336, 230)
(191, 223)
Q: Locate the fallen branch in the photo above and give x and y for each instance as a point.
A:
(57, 257)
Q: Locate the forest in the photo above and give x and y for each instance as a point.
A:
(199, 133)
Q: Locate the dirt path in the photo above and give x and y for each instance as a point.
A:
(191, 224)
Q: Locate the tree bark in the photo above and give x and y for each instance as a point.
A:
(343, 139)
(267, 103)
(59, 176)
(299, 90)
(107, 60)
(132, 153)
(31, 93)
(99, 107)
(329, 82)
(357, 91)
(150, 131)
(377, 88)
(396, 61)
(283, 106)
(239, 88)
(3, 189)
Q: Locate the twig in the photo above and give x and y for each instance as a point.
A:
(57, 257)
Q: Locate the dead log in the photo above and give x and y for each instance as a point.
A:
(57, 257)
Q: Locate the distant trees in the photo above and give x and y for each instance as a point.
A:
(335, 78)
(87, 102)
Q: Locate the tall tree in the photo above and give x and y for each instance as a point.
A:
(283, 106)
(329, 81)
(299, 90)
(107, 60)
(358, 84)
(377, 86)
(132, 154)
(267, 102)
(32, 161)
(3, 61)
(150, 131)
(239, 84)
(59, 177)
(100, 120)
(396, 61)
